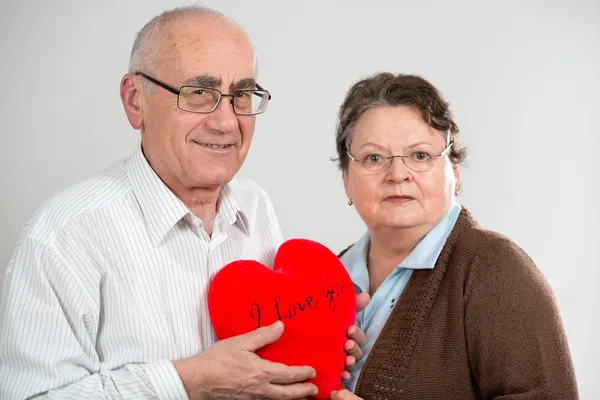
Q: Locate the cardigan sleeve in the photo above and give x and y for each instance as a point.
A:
(516, 343)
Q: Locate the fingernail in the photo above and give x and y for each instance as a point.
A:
(315, 391)
(278, 325)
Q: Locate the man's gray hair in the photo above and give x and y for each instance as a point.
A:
(149, 41)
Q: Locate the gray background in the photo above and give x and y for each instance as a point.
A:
(523, 78)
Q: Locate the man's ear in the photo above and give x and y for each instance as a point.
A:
(130, 97)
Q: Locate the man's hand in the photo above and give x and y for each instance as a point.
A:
(230, 369)
(356, 338)
(344, 395)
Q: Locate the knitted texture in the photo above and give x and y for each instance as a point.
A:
(483, 324)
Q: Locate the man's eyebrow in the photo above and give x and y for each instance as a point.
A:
(207, 81)
(249, 83)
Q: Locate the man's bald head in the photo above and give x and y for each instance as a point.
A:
(153, 40)
(190, 46)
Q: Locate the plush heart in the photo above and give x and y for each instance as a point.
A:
(309, 290)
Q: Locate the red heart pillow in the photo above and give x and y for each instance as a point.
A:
(309, 290)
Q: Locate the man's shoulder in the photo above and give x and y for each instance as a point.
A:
(83, 197)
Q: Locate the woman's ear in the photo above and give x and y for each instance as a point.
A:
(130, 97)
(457, 178)
(346, 184)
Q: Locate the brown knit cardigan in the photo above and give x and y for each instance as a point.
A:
(483, 324)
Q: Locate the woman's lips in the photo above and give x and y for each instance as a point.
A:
(399, 199)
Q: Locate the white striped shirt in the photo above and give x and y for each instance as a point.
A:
(108, 285)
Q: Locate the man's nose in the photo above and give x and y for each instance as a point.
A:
(223, 118)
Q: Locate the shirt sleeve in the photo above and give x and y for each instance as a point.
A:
(48, 335)
(516, 342)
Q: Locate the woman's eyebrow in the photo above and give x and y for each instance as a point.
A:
(417, 144)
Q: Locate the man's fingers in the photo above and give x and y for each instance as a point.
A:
(362, 299)
(282, 374)
(261, 337)
(356, 334)
(291, 392)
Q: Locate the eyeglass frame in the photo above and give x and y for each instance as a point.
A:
(221, 94)
(404, 157)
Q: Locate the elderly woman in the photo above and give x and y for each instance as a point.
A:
(457, 311)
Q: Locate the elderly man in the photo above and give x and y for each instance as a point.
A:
(105, 295)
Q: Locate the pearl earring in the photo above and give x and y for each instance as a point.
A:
(350, 202)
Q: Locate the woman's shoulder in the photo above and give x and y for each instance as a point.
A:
(468, 235)
(490, 245)
(496, 259)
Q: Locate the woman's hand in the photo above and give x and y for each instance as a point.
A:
(356, 338)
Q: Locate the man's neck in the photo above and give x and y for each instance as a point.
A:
(202, 201)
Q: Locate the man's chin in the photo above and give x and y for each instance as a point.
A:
(203, 172)
(215, 178)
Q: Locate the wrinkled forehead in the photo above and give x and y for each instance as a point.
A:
(395, 126)
(206, 46)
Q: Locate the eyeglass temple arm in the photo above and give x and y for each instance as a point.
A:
(350, 155)
(158, 83)
(261, 88)
(447, 148)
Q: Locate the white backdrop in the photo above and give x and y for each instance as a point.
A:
(523, 79)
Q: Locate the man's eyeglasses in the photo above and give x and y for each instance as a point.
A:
(372, 162)
(203, 100)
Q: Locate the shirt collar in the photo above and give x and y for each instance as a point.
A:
(162, 209)
(427, 251)
(423, 256)
(234, 211)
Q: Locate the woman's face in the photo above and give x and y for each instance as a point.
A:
(398, 197)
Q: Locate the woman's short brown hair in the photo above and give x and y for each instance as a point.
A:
(386, 89)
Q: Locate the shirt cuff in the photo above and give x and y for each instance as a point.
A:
(166, 381)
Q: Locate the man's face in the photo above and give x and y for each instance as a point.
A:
(192, 150)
